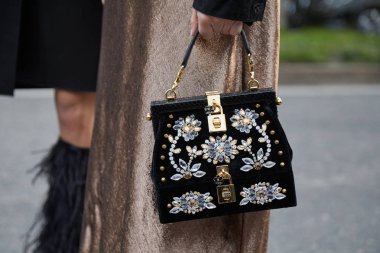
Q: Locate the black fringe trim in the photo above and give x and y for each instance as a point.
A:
(65, 168)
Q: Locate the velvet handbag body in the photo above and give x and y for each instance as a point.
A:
(220, 154)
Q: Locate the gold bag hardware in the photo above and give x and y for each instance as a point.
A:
(217, 119)
(226, 192)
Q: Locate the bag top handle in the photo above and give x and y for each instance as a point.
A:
(171, 94)
(193, 40)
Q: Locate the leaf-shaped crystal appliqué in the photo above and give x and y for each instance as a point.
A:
(269, 164)
(246, 168)
(199, 173)
(248, 160)
(261, 193)
(176, 177)
(187, 127)
(192, 203)
(219, 149)
(188, 171)
(244, 120)
(183, 164)
(250, 164)
(260, 154)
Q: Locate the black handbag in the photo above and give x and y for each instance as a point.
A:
(219, 154)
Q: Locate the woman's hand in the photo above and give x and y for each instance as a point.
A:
(208, 26)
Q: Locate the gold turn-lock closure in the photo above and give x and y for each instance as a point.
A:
(226, 192)
(216, 119)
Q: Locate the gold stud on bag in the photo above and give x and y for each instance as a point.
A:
(219, 154)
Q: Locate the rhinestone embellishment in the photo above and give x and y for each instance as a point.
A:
(187, 127)
(192, 203)
(244, 120)
(261, 193)
(259, 159)
(188, 172)
(219, 149)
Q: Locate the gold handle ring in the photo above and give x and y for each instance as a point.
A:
(171, 94)
(253, 84)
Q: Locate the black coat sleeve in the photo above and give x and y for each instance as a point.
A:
(247, 11)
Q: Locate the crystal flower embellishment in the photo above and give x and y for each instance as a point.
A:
(261, 193)
(244, 120)
(219, 149)
(187, 127)
(192, 203)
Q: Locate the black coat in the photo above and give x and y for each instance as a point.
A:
(76, 67)
(247, 11)
(49, 44)
(10, 14)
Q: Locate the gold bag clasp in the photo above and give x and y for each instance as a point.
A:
(216, 119)
(226, 192)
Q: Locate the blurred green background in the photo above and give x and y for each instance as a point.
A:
(319, 44)
(322, 31)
